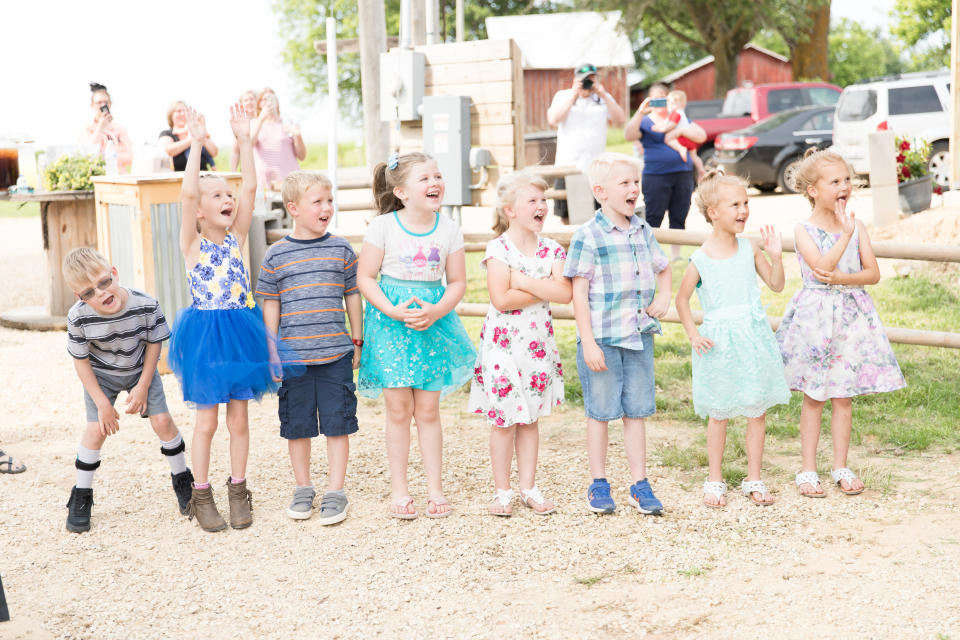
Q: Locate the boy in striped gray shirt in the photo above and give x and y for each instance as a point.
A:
(305, 281)
(114, 335)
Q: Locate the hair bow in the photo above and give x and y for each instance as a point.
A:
(393, 161)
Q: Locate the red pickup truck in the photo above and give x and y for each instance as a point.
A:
(746, 105)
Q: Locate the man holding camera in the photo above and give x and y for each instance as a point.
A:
(580, 114)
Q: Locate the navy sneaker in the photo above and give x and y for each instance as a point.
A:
(598, 497)
(80, 508)
(183, 487)
(641, 497)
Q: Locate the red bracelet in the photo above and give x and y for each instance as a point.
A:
(357, 343)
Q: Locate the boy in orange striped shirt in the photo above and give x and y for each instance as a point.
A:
(306, 280)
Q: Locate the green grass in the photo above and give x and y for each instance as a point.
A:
(18, 209)
(922, 416)
(349, 154)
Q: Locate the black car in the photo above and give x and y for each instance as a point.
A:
(768, 153)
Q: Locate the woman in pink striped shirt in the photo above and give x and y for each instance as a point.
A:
(277, 147)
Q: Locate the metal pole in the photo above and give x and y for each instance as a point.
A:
(405, 26)
(332, 91)
(460, 21)
(433, 11)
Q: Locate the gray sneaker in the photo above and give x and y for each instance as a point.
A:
(301, 507)
(333, 508)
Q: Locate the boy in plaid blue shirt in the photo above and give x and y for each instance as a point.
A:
(621, 286)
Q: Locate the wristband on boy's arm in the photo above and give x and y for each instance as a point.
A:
(357, 343)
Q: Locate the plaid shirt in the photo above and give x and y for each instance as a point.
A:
(621, 267)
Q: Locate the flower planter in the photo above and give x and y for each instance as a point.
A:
(915, 194)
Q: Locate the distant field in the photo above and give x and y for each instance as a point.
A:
(349, 155)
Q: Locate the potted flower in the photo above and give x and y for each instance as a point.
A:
(913, 176)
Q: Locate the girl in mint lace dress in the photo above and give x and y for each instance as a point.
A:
(834, 346)
(737, 369)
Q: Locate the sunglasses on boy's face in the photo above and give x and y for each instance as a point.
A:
(101, 286)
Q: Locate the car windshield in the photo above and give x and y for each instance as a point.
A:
(772, 122)
(739, 102)
(856, 104)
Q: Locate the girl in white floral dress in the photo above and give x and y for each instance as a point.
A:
(833, 344)
(518, 376)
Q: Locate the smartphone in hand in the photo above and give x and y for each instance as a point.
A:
(658, 103)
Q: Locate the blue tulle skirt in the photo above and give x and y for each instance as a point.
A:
(220, 355)
(438, 359)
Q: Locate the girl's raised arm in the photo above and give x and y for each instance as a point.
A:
(240, 123)
(771, 272)
(190, 187)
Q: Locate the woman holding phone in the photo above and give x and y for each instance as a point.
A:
(102, 130)
(277, 145)
(667, 178)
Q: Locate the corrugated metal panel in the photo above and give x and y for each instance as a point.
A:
(168, 267)
(121, 241)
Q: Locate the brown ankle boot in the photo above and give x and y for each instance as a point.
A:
(204, 508)
(241, 504)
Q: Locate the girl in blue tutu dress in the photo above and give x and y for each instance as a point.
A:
(415, 347)
(220, 350)
(737, 368)
(833, 343)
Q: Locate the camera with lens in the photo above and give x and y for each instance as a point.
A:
(587, 83)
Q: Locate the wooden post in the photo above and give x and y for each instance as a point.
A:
(373, 42)
(460, 20)
(883, 178)
(418, 22)
(954, 98)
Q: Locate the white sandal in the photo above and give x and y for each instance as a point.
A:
(811, 478)
(716, 489)
(503, 497)
(848, 475)
(749, 487)
(528, 496)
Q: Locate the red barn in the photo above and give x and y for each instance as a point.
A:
(756, 66)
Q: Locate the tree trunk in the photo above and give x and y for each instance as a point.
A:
(808, 54)
(372, 31)
(725, 72)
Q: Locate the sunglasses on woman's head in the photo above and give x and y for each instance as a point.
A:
(100, 286)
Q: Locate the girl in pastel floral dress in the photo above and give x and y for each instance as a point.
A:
(518, 377)
(415, 347)
(833, 344)
(220, 349)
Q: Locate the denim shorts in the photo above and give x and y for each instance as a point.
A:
(112, 385)
(322, 400)
(626, 388)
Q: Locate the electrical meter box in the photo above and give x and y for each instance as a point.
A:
(401, 84)
(446, 137)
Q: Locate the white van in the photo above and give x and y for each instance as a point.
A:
(912, 105)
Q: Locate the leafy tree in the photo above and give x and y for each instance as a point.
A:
(924, 26)
(302, 22)
(857, 52)
(658, 53)
(720, 28)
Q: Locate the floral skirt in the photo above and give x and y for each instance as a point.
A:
(437, 359)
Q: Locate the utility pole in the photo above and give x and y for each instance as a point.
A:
(373, 42)
(954, 97)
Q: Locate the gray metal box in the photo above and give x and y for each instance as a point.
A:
(401, 84)
(446, 137)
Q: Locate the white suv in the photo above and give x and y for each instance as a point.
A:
(912, 105)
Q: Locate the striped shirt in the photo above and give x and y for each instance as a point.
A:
(116, 344)
(310, 278)
(621, 267)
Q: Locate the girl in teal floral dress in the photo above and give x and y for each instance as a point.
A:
(834, 346)
(415, 347)
(518, 376)
(737, 370)
(220, 350)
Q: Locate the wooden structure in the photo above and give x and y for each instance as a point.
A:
(138, 230)
(488, 71)
(68, 221)
(755, 65)
(553, 45)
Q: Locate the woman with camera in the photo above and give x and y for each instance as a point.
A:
(102, 130)
(580, 114)
(667, 178)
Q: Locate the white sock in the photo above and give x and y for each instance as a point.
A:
(89, 456)
(178, 462)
